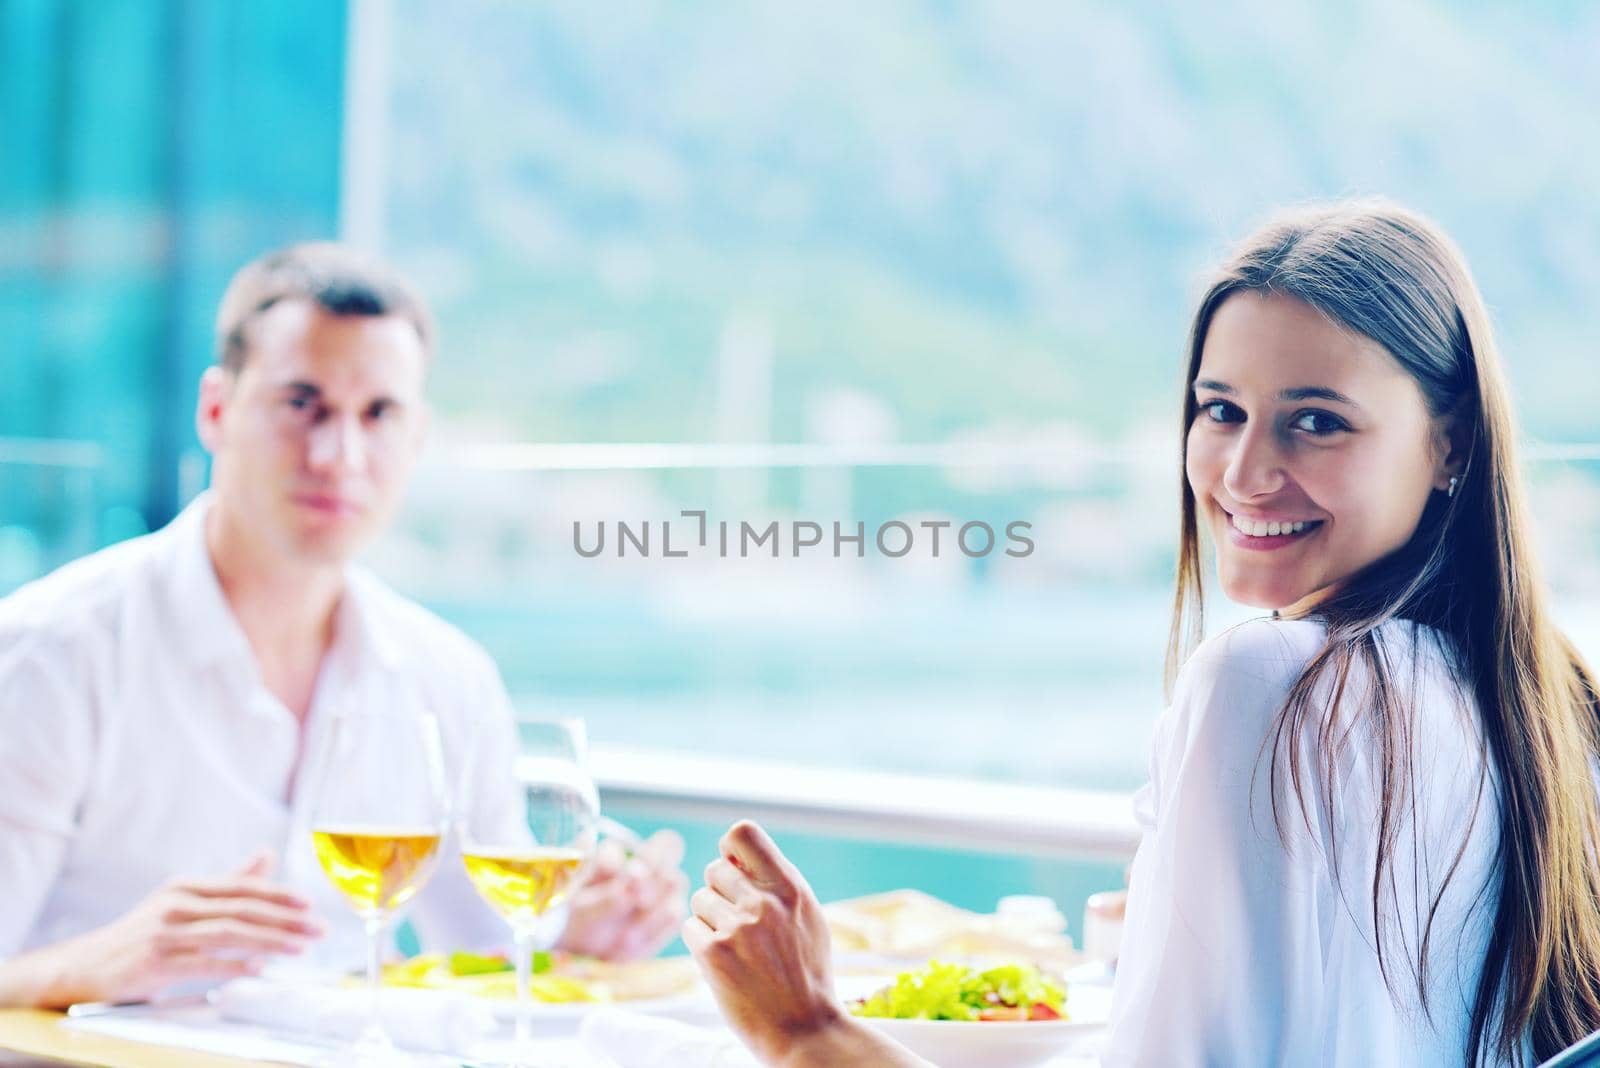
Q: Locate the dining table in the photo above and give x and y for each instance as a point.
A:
(208, 1032)
(38, 1036)
(33, 1038)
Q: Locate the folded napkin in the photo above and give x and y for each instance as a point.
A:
(431, 1020)
(637, 1041)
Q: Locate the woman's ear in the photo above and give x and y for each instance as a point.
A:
(1450, 443)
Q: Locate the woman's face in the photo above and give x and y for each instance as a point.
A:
(1311, 454)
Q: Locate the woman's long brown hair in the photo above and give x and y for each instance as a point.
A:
(1470, 572)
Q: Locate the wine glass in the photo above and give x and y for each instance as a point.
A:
(528, 817)
(379, 808)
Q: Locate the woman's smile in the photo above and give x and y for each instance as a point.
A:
(1265, 533)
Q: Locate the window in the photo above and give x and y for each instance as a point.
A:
(907, 264)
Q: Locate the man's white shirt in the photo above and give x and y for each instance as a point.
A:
(138, 741)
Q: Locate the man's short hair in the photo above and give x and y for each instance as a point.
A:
(339, 279)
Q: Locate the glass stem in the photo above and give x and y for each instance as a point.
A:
(523, 939)
(374, 1033)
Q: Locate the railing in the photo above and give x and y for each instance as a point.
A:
(74, 466)
(650, 456)
(534, 456)
(986, 816)
(51, 452)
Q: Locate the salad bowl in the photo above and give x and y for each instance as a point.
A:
(974, 1043)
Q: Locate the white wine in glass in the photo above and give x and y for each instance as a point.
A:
(522, 884)
(379, 809)
(529, 817)
(377, 869)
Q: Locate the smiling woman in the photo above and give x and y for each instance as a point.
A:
(1407, 467)
(1304, 446)
(1371, 831)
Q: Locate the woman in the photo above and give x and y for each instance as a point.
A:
(1371, 828)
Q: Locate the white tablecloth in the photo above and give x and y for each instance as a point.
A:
(202, 1028)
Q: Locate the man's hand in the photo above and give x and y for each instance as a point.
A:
(189, 929)
(629, 907)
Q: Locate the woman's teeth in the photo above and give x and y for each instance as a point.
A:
(1257, 529)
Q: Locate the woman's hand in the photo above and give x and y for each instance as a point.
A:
(759, 936)
(762, 943)
(629, 907)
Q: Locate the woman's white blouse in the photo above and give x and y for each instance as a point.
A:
(1241, 947)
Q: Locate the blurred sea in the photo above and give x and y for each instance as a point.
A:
(986, 684)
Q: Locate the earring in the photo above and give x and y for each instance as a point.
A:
(1454, 481)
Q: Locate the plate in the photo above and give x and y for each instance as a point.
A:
(665, 986)
(961, 1044)
(693, 1007)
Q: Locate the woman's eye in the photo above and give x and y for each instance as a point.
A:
(1222, 412)
(1319, 423)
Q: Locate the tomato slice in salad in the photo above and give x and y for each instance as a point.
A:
(1004, 1013)
(1037, 1011)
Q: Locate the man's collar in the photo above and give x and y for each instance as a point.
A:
(207, 630)
(204, 625)
(361, 625)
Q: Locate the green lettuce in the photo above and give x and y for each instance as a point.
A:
(464, 963)
(940, 991)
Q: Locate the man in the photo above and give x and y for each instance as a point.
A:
(160, 699)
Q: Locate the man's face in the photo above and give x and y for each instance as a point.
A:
(313, 440)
